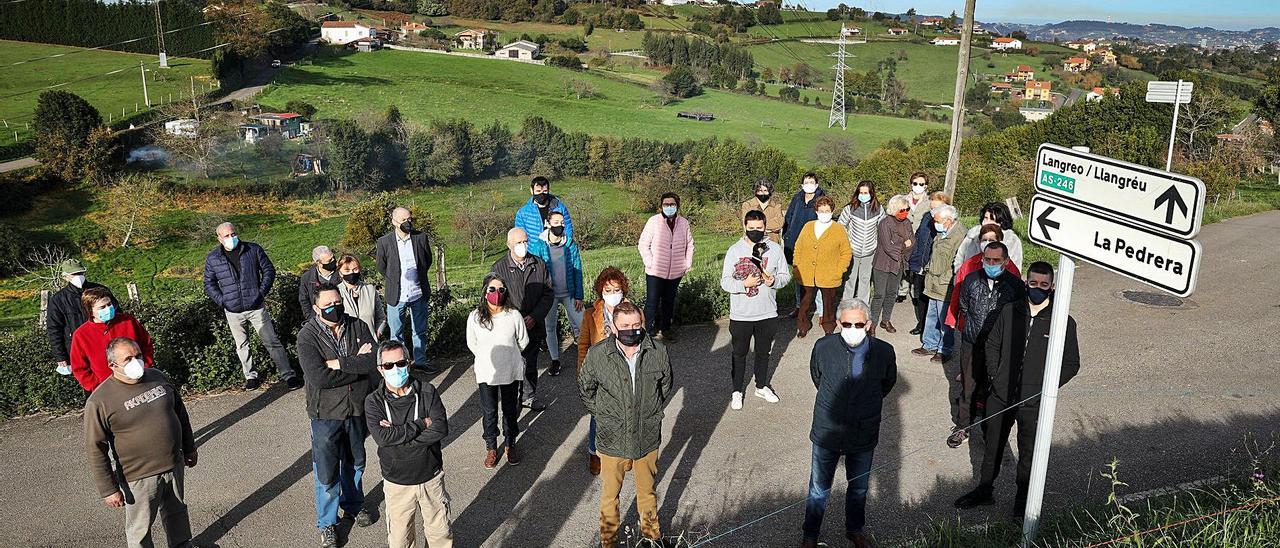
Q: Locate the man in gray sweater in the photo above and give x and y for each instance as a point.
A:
(754, 269)
(138, 413)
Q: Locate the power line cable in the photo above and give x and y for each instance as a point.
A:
(107, 46)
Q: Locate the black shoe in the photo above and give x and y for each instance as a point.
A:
(364, 518)
(294, 382)
(533, 404)
(975, 498)
(667, 337)
(958, 437)
(554, 370)
(253, 384)
(328, 537)
(917, 331)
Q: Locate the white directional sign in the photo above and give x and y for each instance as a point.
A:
(1169, 92)
(1145, 255)
(1151, 198)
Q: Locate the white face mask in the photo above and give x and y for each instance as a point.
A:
(77, 280)
(133, 369)
(853, 336)
(612, 299)
(824, 218)
(918, 189)
(521, 250)
(809, 188)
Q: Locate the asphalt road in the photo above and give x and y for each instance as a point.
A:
(1171, 393)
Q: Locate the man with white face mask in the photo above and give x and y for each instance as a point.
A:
(407, 421)
(138, 415)
(65, 313)
(529, 290)
(853, 372)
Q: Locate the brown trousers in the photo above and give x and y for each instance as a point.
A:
(428, 499)
(612, 472)
(804, 316)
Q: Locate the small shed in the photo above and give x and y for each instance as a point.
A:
(523, 50)
(287, 123)
(699, 116)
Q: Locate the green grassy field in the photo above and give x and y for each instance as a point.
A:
(426, 86)
(109, 94)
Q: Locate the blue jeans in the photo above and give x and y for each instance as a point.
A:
(418, 312)
(337, 464)
(938, 336)
(591, 436)
(857, 472)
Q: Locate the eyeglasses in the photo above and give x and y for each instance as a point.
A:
(851, 325)
(495, 288)
(387, 366)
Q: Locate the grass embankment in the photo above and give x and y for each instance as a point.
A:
(426, 86)
(109, 94)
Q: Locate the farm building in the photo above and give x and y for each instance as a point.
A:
(523, 50)
(1006, 43)
(287, 123)
(475, 38)
(897, 31)
(344, 32)
(945, 41)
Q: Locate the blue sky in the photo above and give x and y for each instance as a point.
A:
(1231, 14)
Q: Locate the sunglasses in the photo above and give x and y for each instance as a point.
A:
(851, 325)
(493, 288)
(387, 366)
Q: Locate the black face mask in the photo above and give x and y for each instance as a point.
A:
(406, 227)
(542, 199)
(764, 197)
(352, 278)
(630, 337)
(333, 314)
(755, 236)
(330, 266)
(1037, 295)
(557, 231)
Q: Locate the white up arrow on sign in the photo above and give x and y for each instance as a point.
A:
(1151, 198)
(1169, 263)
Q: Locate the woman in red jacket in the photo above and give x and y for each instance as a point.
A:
(89, 342)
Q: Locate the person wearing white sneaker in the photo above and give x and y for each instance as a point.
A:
(754, 267)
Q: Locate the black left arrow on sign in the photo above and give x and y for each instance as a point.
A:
(1046, 224)
(1173, 199)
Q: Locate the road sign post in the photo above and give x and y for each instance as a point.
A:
(1170, 92)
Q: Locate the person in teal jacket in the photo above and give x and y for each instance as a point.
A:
(535, 214)
(564, 263)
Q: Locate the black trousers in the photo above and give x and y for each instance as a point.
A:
(966, 372)
(659, 303)
(508, 396)
(996, 434)
(740, 336)
(918, 300)
(531, 352)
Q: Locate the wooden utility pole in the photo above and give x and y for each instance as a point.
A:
(957, 114)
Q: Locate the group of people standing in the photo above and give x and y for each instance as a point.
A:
(359, 347)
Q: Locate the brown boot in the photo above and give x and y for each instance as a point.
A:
(859, 540)
(888, 327)
(593, 465)
(809, 543)
(512, 458)
(491, 459)
(871, 331)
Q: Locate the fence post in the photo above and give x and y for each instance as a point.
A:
(133, 291)
(44, 308)
(442, 280)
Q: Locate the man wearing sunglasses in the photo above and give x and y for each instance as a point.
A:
(406, 419)
(336, 354)
(853, 372)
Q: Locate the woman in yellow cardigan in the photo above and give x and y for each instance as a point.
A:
(822, 256)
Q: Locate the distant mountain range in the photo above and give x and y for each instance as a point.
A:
(1152, 33)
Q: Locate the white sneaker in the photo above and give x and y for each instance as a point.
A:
(767, 394)
(736, 403)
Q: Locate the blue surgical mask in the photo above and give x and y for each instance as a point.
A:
(938, 227)
(669, 211)
(993, 270)
(107, 314)
(864, 198)
(231, 243)
(398, 376)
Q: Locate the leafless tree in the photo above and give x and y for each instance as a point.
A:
(42, 267)
(481, 227)
(1200, 119)
(201, 145)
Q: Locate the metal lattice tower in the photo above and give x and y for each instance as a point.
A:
(837, 94)
(164, 58)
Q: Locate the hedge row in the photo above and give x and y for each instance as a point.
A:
(195, 348)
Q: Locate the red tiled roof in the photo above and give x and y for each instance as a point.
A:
(1003, 40)
(1024, 68)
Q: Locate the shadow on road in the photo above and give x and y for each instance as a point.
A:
(246, 410)
(256, 500)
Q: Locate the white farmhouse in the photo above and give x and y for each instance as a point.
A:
(523, 50)
(344, 32)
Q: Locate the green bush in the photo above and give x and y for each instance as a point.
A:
(565, 61)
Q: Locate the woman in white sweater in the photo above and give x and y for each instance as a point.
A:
(495, 335)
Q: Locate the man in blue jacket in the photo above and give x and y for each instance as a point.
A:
(238, 276)
(564, 264)
(853, 373)
(535, 215)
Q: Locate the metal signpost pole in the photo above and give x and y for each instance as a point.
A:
(1173, 133)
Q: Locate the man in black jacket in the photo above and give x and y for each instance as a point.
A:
(528, 287)
(336, 354)
(407, 421)
(323, 267)
(65, 314)
(1016, 350)
(982, 294)
(853, 373)
(404, 260)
